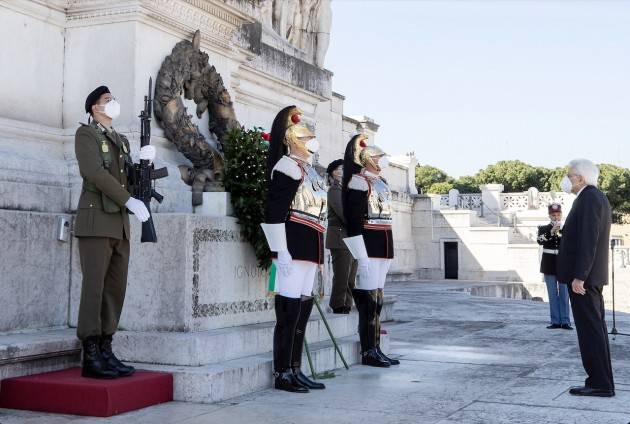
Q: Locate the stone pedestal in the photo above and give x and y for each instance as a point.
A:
(216, 203)
(491, 197)
(201, 274)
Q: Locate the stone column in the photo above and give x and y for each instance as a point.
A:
(453, 198)
(532, 198)
(491, 196)
(411, 173)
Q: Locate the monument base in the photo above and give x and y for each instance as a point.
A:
(66, 392)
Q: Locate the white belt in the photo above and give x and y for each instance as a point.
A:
(551, 251)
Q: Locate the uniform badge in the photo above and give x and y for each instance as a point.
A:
(105, 147)
(125, 149)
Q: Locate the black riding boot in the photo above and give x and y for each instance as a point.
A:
(287, 315)
(379, 308)
(110, 359)
(298, 345)
(365, 301)
(93, 364)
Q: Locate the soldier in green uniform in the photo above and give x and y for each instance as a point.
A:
(102, 228)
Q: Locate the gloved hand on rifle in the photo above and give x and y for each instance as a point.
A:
(147, 153)
(138, 208)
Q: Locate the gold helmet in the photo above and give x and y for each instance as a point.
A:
(297, 134)
(363, 152)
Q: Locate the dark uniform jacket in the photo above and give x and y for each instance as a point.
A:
(303, 241)
(101, 156)
(548, 242)
(585, 240)
(336, 231)
(378, 243)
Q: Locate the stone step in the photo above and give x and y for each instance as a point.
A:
(34, 352)
(229, 379)
(39, 351)
(213, 346)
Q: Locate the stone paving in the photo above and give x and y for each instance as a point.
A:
(465, 359)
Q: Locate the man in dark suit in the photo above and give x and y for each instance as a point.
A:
(583, 263)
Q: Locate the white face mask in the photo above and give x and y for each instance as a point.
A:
(565, 184)
(312, 145)
(383, 162)
(112, 109)
(554, 223)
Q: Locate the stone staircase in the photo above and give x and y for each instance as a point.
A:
(207, 366)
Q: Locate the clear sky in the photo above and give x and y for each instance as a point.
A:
(467, 83)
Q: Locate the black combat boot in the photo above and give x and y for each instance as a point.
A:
(93, 364)
(287, 315)
(110, 359)
(379, 308)
(365, 301)
(298, 345)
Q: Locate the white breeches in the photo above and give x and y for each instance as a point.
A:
(376, 276)
(299, 282)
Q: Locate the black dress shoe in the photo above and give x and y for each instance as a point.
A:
(387, 358)
(286, 381)
(567, 327)
(373, 359)
(347, 309)
(307, 382)
(590, 391)
(554, 326)
(339, 310)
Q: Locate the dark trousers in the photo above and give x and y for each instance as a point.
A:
(104, 263)
(344, 274)
(590, 323)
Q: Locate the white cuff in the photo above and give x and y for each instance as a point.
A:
(276, 236)
(356, 246)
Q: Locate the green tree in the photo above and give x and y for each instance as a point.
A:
(467, 184)
(440, 188)
(427, 175)
(614, 181)
(513, 174)
(551, 178)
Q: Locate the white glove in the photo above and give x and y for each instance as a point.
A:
(147, 153)
(363, 270)
(283, 263)
(138, 208)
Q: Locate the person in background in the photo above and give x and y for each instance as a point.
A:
(343, 264)
(549, 237)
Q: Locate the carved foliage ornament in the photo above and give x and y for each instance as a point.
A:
(187, 71)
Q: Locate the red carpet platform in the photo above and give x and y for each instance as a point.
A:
(66, 392)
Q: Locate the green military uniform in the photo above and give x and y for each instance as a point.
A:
(102, 226)
(344, 265)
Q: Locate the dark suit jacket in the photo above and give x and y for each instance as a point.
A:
(585, 240)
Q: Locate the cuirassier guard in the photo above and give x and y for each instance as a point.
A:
(295, 221)
(368, 212)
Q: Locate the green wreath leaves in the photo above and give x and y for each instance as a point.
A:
(246, 164)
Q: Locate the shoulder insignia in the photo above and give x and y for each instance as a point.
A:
(358, 182)
(289, 167)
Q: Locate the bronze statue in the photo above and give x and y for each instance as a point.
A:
(186, 70)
